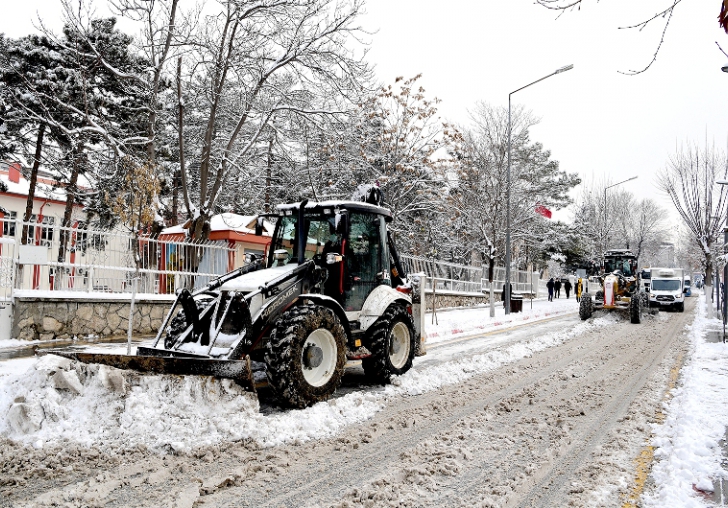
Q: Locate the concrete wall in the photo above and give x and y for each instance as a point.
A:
(62, 318)
(444, 300)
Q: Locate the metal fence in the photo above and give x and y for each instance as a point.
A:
(104, 261)
(522, 281)
(91, 260)
(470, 279)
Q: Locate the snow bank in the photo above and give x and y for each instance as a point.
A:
(57, 401)
(687, 444)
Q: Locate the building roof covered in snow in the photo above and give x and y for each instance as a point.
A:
(228, 226)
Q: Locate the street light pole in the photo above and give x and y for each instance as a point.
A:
(507, 291)
(604, 246)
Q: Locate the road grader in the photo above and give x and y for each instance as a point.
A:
(620, 287)
(331, 289)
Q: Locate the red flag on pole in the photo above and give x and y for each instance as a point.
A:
(723, 16)
(542, 210)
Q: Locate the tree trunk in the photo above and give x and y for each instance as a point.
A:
(68, 211)
(180, 138)
(709, 267)
(33, 183)
(268, 173)
(175, 198)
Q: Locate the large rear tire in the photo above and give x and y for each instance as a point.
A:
(585, 307)
(305, 355)
(392, 344)
(635, 308)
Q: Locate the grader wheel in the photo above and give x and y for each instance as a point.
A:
(585, 307)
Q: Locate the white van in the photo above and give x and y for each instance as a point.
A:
(667, 288)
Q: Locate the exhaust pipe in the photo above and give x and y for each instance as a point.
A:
(301, 234)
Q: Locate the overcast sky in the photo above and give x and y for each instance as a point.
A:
(596, 122)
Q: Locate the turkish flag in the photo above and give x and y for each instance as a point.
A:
(723, 16)
(542, 210)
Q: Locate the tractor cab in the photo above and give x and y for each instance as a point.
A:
(348, 239)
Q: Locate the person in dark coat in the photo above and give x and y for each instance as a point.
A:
(567, 287)
(550, 286)
(557, 288)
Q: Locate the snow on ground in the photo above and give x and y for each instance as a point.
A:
(687, 444)
(453, 323)
(15, 343)
(52, 400)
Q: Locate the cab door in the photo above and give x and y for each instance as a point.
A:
(365, 254)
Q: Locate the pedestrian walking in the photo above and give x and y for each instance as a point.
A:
(567, 288)
(550, 286)
(557, 288)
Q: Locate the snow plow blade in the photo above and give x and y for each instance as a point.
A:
(150, 360)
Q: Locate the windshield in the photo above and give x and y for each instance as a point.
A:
(626, 265)
(320, 238)
(665, 285)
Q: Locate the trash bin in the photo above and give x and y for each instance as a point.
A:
(516, 303)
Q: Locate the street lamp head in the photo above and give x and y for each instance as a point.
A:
(722, 182)
(571, 66)
(724, 68)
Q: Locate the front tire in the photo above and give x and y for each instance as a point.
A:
(305, 355)
(681, 307)
(585, 307)
(392, 344)
(635, 308)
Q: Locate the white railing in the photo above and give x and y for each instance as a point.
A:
(470, 279)
(522, 281)
(107, 261)
(104, 261)
(447, 276)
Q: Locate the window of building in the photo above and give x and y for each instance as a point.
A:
(9, 223)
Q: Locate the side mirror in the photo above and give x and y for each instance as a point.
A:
(259, 226)
(332, 258)
(341, 223)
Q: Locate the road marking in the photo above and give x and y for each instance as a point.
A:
(644, 461)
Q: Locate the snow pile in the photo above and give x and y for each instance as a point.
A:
(688, 442)
(58, 401)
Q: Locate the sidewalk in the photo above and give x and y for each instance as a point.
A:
(458, 322)
(690, 444)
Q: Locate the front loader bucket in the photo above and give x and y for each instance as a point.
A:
(238, 370)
